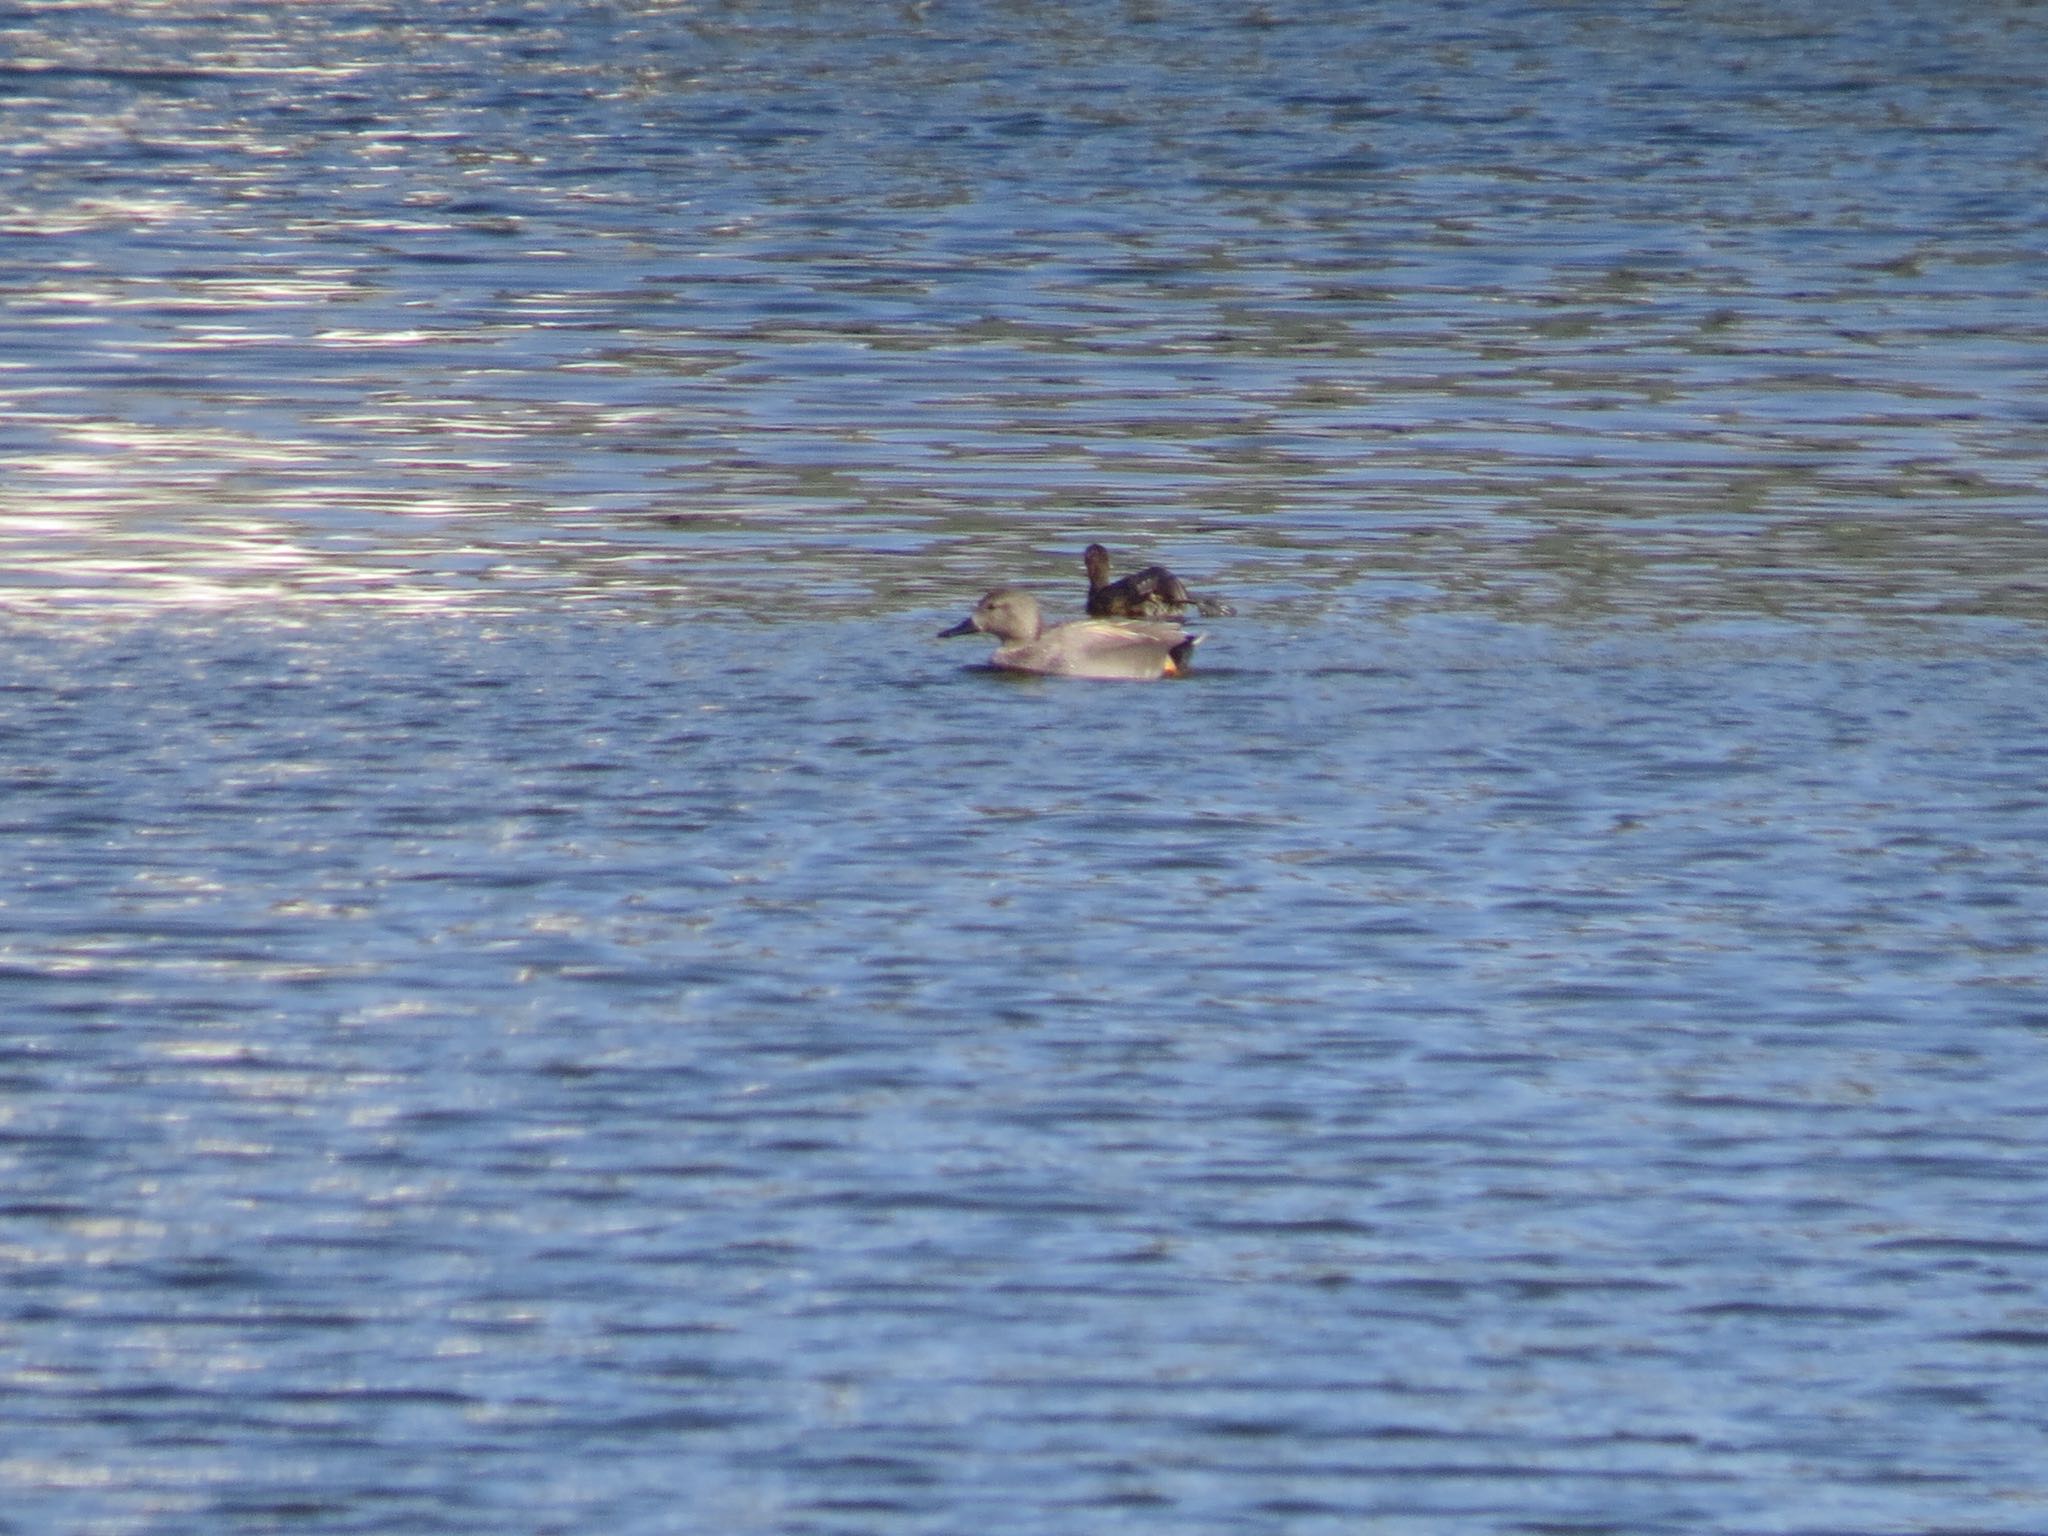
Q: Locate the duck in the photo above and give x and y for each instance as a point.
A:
(1083, 648)
(1153, 593)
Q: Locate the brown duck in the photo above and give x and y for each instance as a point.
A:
(1153, 593)
(1084, 648)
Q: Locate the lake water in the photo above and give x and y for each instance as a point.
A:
(540, 998)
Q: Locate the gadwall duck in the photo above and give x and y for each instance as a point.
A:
(1084, 648)
(1153, 593)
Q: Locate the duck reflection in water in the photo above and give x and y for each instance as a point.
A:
(1153, 593)
(1084, 648)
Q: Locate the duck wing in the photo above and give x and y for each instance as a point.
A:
(1102, 648)
(1154, 592)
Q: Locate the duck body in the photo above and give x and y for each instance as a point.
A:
(1084, 648)
(1153, 593)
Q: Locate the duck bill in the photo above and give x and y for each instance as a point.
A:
(964, 627)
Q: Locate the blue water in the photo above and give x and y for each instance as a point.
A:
(539, 998)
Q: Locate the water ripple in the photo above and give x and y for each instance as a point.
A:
(543, 999)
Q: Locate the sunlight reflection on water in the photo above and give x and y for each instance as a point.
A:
(488, 329)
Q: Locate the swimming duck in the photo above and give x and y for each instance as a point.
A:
(1084, 648)
(1153, 593)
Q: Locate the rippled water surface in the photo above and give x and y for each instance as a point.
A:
(539, 998)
